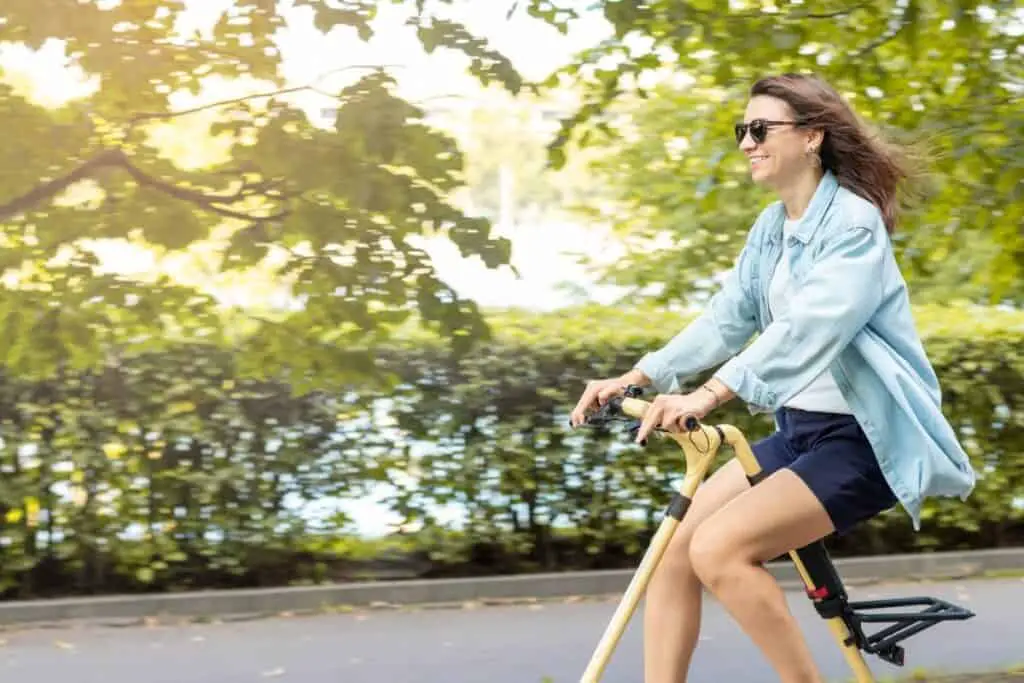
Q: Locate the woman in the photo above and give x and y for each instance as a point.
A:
(837, 360)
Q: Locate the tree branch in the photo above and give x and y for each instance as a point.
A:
(116, 158)
(895, 28)
(312, 86)
(830, 15)
(727, 15)
(211, 202)
(52, 188)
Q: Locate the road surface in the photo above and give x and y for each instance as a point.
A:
(507, 644)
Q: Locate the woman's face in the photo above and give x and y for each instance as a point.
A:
(782, 155)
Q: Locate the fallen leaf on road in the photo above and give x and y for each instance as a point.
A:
(534, 608)
(63, 645)
(198, 639)
(273, 673)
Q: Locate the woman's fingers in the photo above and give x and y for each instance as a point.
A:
(608, 391)
(596, 394)
(667, 413)
(579, 412)
(587, 401)
(652, 419)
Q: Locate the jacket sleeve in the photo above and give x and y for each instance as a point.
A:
(718, 333)
(838, 296)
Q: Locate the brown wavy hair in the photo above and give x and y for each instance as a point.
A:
(860, 158)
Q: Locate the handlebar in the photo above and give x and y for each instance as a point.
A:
(631, 408)
(697, 439)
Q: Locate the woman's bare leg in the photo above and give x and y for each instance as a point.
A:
(672, 605)
(727, 552)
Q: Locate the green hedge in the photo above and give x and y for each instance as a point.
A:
(169, 471)
(499, 417)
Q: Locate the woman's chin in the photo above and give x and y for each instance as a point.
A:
(759, 176)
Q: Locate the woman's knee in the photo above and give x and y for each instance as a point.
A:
(723, 486)
(693, 552)
(713, 555)
(675, 563)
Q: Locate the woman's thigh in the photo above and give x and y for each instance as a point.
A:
(761, 524)
(725, 484)
(831, 487)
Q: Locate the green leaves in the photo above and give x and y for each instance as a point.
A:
(351, 13)
(320, 218)
(550, 12)
(486, 64)
(945, 72)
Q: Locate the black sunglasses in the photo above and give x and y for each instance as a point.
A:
(758, 129)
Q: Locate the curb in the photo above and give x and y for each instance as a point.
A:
(221, 603)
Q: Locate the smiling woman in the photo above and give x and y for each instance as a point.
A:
(837, 358)
(793, 120)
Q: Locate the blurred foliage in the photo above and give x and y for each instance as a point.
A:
(169, 471)
(662, 93)
(495, 422)
(156, 439)
(326, 213)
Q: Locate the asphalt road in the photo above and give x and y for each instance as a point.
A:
(508, 644)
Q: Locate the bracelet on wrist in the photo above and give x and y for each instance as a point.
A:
(712, 392)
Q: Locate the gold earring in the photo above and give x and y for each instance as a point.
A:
(815, 156)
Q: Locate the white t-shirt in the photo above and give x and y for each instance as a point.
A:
(822, 394)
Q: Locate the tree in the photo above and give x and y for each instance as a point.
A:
(327, 212)
(944, 75)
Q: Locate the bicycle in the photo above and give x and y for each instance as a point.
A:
(821, 581)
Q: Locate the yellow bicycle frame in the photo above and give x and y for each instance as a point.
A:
(700, 446)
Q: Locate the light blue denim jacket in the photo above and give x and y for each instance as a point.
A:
(852, 316)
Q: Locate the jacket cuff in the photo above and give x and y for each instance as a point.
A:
(663, 380)
(745, 383)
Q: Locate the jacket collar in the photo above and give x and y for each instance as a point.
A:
(813, 216)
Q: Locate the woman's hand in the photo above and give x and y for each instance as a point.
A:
(669, 411)
(599, 391)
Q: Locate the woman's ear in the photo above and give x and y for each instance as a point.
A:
(815, 139)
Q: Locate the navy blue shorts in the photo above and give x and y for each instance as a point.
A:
(832, 455)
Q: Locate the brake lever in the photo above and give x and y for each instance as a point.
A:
(612, 412)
